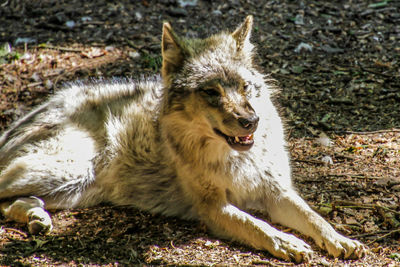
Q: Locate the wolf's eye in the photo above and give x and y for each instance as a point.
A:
(210, 92)
(246, 87)
(211, 95)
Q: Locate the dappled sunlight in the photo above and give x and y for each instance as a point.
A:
(359, 191)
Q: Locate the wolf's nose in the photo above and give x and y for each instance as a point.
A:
(249, 122)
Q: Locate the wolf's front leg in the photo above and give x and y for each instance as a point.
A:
(29, 210)
(229, 221)
(291, 210)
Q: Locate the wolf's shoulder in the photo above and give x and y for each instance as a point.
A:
(104, 95)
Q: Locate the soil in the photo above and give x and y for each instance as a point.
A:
(337, 64)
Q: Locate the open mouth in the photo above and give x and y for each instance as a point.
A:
(240, 143)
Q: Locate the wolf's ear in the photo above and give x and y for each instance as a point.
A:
(243, 32)
(171, 50)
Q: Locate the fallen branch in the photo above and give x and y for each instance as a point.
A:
(374, 72)
(394, 130)
(15, 231)
(34, 84)
(356, 176)
(350, 204)
(60, 48)
(370, 11)
(270, 263)
(355, 205)
(370, 234)
(340, 156)
(325, 178)
(383, 236)
(312, 161)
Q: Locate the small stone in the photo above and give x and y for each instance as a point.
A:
(299, 19)
(86, 19)
(324, 140)
(217, 12)
(138, 16)
(27, 56)
(109, 48)
(48, 84)
(327, 160)
(35, 77)
(177, 12)
(303, 47)
(24, 40)
(331, 50)
(185, 3)
(70, 24)
(134, 55)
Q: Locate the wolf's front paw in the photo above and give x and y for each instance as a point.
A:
(290, 248)
(39, 221)
(340, 246)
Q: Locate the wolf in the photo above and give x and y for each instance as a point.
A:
(203, 141)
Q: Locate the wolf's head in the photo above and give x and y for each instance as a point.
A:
(209, 83)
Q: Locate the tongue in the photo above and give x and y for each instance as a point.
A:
(246, 138)
(243, 139)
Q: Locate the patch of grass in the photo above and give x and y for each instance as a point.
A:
(395, 256)
(151, 61)
(7, 55)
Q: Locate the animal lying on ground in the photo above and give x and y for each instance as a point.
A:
(203, 142)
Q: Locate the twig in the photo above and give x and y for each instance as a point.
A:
(374, 72)
(269, 263)
(355, 176)
(370, 234)
(313, 161)
(370, 11)
(350, 204)
(383, 236)
(93, 22)
(355, 207)
(4, 4)
(60, 48)
(372, 132)
(303, 179)
(339, 156)
(16, 231)
(34, 84)
(131, 44)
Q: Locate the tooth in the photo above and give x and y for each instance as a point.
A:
(237, 139)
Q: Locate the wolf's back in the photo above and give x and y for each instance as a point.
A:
(84, 106)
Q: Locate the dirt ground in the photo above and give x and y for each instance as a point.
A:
(337, 63)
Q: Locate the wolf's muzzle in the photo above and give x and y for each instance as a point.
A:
(249, 123)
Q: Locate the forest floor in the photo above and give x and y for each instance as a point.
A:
(338, 65)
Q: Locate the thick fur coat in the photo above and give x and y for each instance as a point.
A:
(204, 142)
